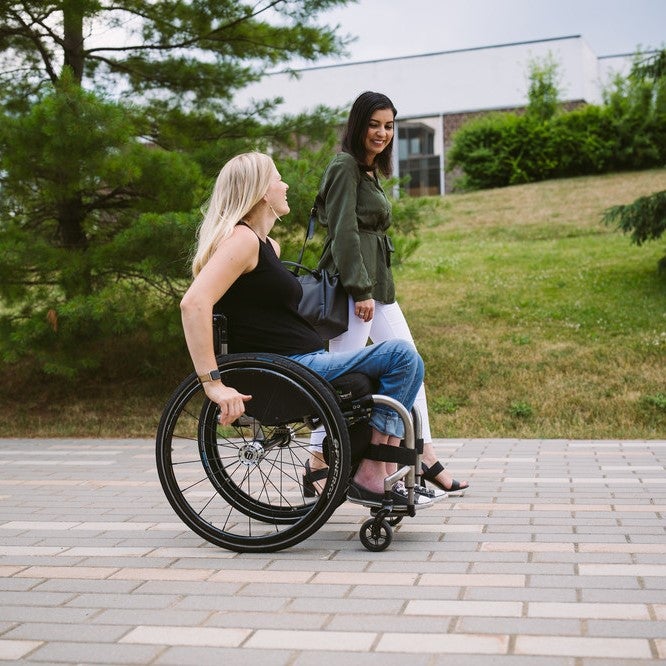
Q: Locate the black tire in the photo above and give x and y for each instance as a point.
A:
(241, 487)
(376, 536)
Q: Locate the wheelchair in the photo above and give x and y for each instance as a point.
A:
(241, 487)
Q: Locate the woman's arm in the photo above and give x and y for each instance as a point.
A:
(234, 256)
(340, 203)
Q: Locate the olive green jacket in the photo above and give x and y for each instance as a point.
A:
(353, 207)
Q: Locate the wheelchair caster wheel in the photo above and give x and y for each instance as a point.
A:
(376, 536)
(394, 520)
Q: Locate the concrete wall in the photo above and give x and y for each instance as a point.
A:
(431, 84)
(445, 89)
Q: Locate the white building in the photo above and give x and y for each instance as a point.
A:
(435, 92)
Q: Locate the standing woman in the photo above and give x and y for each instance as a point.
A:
(353, 207)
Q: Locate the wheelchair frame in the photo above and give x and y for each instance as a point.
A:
(241, 486)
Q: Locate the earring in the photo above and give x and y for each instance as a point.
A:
(273, 210)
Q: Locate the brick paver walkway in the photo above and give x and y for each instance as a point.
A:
(555, 556)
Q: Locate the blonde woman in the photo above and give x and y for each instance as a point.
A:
(237, 271)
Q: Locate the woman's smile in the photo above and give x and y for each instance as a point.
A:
(379, 134)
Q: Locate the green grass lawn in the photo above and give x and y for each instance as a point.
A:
(534, 319)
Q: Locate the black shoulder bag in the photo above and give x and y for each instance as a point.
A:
(324, 302)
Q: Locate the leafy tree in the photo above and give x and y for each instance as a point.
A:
(113, 119)
(498, 149)
(543, 93)
(645, 218)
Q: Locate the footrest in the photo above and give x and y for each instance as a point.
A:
(396, 454)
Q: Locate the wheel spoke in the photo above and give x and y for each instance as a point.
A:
(243, 488)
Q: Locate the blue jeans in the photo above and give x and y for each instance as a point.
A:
(394, 363)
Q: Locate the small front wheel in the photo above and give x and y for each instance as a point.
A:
(376, 536)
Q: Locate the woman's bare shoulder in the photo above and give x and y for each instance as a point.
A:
(276, 245)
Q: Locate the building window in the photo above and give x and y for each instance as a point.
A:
(416, 148)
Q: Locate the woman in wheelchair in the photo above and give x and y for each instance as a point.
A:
(237, 271)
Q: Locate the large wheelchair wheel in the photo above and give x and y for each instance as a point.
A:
(241, 486)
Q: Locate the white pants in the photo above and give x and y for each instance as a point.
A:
(387, 324)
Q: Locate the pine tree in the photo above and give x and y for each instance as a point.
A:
(113, 119)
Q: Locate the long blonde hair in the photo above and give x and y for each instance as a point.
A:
(240, 186)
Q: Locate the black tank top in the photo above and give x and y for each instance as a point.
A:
(262, 310)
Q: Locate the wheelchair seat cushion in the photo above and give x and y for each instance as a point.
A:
(354, 385)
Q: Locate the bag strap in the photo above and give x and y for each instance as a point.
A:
(297, 267)
(309, 233)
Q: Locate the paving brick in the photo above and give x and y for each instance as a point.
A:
(589, 582)
(34, 598)
(450, 643)
(521, 594)
(196, 636)
(456, 567)
(45, 614)
(86, 585)
(589, 611)
(166, 575)
(86, 633)
(132, 617)
(518, 626)
(457, 607)
(198, 656)
(645, 596)
(15, 649)
(379, 623)
(642, 570)
(365, 578)
(627, 648)
(95, 653)
(230, 603)
(404, 593)
(286, 591)
(254, 576)
(143, 601)
(359, 659)
(346, 605)
(511, 660)
(473, 580)
(67, 572)
(279, 619)
(528, 569)
(555, 557)
(628, 629)
(358, 641)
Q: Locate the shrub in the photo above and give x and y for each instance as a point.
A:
(627, 132)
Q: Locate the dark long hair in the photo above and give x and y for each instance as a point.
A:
(353, 139)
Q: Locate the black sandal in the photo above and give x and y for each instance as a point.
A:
(430, 474)
(310, 477)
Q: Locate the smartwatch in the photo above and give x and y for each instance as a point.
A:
(210, 376)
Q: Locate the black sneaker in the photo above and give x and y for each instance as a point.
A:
(399, 495)
(435, 494)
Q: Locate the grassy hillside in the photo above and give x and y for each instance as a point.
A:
(534, 319)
